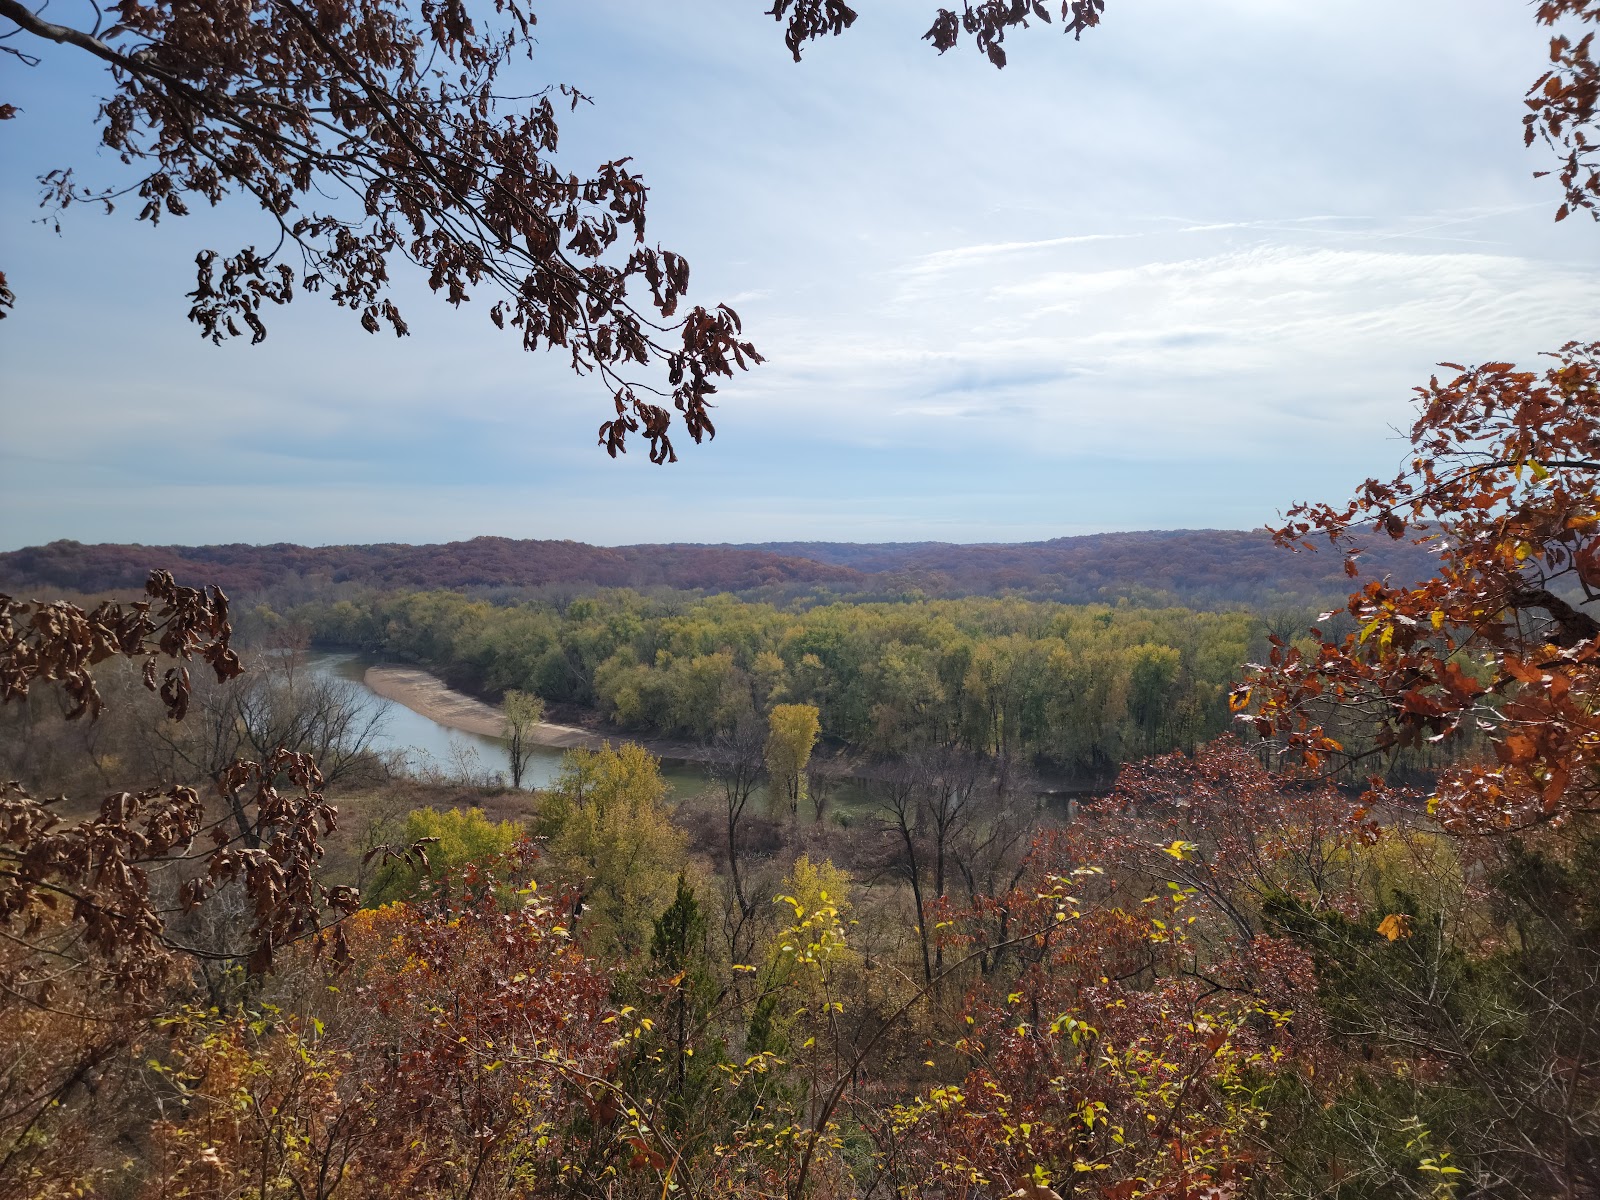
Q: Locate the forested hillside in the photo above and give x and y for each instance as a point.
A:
(1196, 568)
(481, 562)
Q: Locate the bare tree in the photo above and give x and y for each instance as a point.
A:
(899, 795)
(930, 800)
(334, 720)
(280, 703)
(990, 861)
(739, 767)
(821, 783)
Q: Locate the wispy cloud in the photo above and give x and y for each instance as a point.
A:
(970, 256)
(1111, 286)
(1199, 354)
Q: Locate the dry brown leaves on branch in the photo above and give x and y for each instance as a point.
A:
(95, 925)
(370, 134)
(86, 892)
(985, 22)
(59, 643)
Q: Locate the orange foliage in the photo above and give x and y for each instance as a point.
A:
(1502, 486)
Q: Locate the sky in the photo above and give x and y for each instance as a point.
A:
(1179, 274)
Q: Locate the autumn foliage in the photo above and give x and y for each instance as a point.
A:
(1222, 980)
(1502, 485)
(369, 136)
(1232, 977)
(1197, 568)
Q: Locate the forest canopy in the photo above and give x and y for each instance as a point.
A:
(1084, 688)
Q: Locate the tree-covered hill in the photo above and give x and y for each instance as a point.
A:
(481, 562)
(1198, 568)
(1194, 567)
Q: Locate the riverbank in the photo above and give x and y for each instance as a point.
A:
(431, 697)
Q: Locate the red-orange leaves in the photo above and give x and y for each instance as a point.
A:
(1504, 484)
(1562, 104)
(1517, 749)
(467, 1053)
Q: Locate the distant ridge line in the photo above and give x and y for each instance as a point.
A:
(1195, 567)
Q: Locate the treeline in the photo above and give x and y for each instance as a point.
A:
(1196, 568)
(483, 562)
(1076, 688)
(1208, 568)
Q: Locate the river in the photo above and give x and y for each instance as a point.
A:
(428, 746)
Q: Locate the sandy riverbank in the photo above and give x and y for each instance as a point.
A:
(433, 698)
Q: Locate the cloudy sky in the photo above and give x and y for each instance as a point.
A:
(1179, 274)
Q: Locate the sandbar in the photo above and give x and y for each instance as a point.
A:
(430, 696)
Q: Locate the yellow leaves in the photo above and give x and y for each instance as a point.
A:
(946, 1098)
(1395, 926)
(1431, 1163)
(1080, 1031)
(792, 734)
(1180, 850)
(816, 941)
